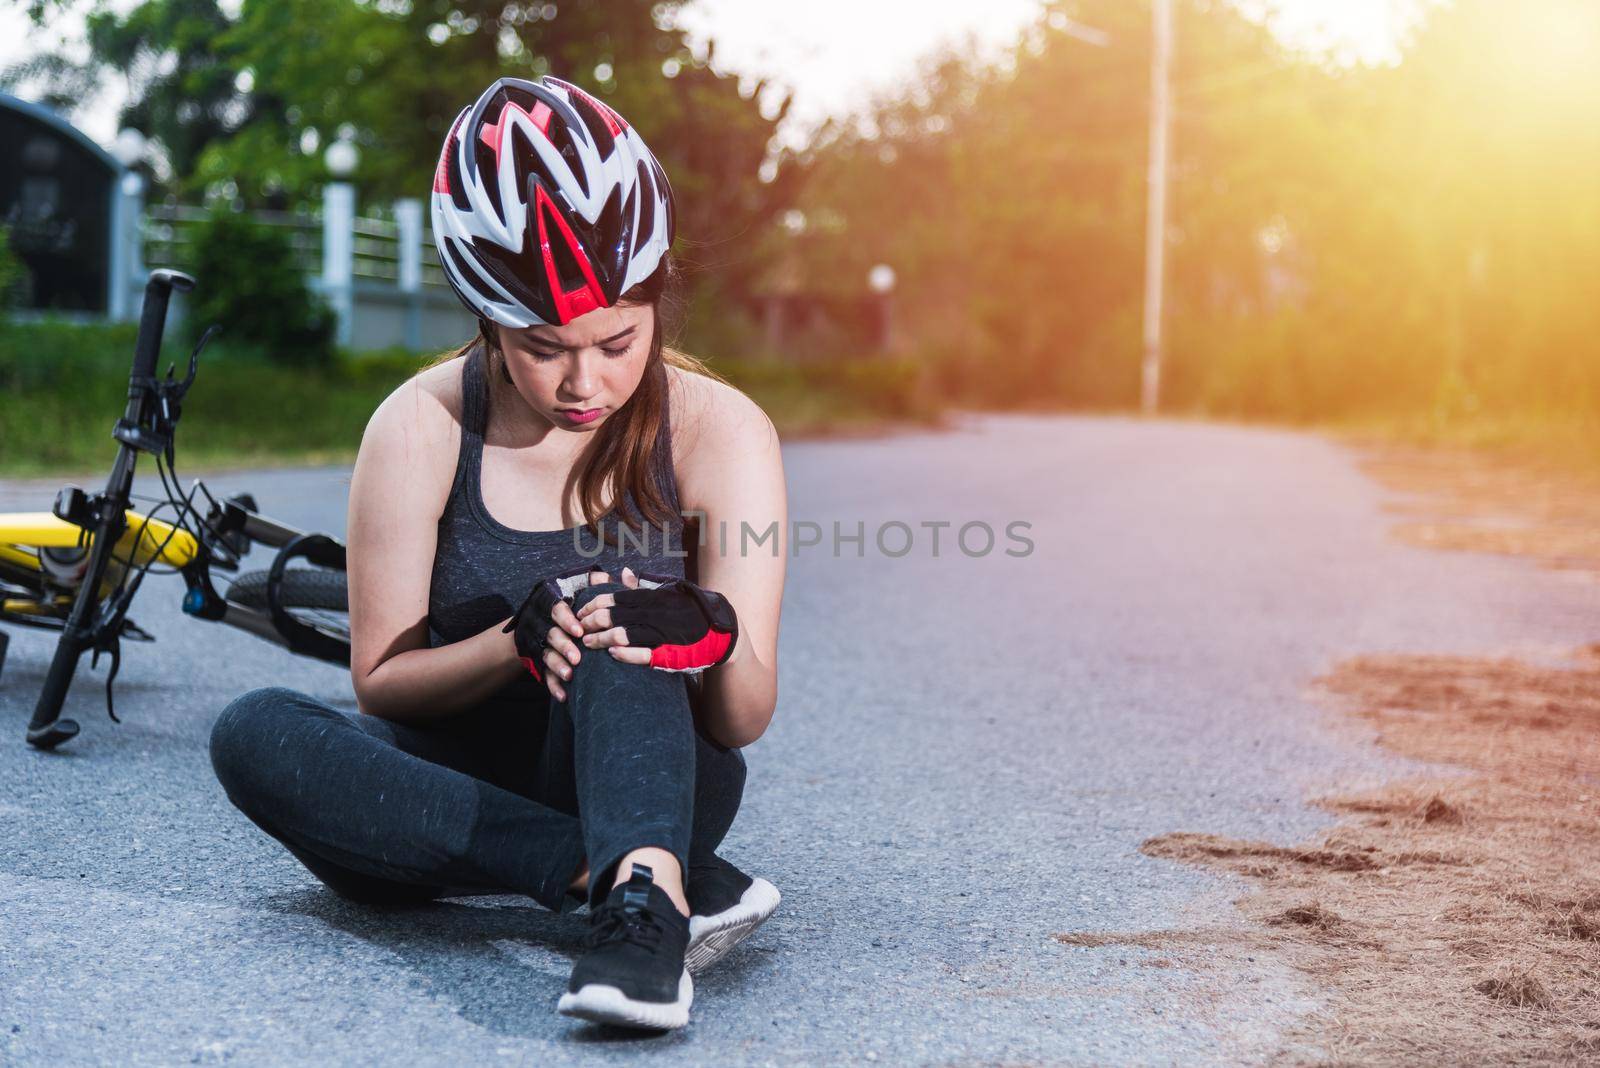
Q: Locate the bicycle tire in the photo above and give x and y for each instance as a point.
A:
(325, 591)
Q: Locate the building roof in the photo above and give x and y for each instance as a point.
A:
(55, 121)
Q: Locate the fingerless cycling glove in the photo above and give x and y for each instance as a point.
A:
(533, 622)
(686, 627)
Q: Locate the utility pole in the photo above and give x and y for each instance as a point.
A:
(1155, 236)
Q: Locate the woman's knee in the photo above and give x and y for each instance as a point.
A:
(598, 664)
(249, 731)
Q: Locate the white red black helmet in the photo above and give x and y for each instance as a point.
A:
(546, 204)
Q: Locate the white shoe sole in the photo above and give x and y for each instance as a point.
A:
(608, 1005)
(711, 937)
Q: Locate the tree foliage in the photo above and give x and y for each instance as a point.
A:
(243, 104)
(1342, 241)
(11, 271)
(253, 290)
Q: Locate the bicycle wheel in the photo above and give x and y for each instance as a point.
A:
(318, 599)
(302, 588)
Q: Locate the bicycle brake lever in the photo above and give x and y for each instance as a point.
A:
(194, 358)
(112, 646)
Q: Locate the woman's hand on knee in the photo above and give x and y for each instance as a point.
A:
(546, 629)
(561, 654)
(669, 624)
(594, 616)
(595, 599)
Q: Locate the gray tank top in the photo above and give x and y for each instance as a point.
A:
(482, 569)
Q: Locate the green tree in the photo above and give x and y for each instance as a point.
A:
(1411, 240)
(1007, 197)
(398, 74)
(250, 286)
(255, 95)
(183, 74)
(12, 271)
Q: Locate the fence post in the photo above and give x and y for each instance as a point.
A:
(408, 219)
(127, 253)
(338, 254)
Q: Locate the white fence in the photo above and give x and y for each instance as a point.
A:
(378, 273)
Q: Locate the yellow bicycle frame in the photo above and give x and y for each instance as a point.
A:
(23, 533)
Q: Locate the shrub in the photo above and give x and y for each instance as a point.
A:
(63, 385)
(248, 282)
(11, 271)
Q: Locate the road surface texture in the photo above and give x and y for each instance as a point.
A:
(967, 753)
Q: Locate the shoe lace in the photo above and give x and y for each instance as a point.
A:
(624, 923)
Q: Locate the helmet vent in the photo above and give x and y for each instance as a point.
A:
(489, 174)
(647, 208)
(596, 125)
(568, 273)
(560, 135)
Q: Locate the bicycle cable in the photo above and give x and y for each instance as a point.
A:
(217, 541)
(112, 611)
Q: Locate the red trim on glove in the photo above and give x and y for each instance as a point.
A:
(703, 653)
(533, 669)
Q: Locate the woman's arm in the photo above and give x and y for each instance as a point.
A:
(735, 477)
(402, 478)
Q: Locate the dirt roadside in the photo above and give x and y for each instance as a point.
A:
(1490, 502)
(1451, 919)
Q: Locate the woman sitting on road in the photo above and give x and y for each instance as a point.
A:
(549, 709)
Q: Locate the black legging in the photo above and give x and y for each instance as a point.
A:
(497, 800)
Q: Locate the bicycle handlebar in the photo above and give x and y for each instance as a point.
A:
(47, 729)
(153, 318)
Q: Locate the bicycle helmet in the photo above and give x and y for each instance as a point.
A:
(546, 204)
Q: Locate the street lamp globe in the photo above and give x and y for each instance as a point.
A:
(881, 279)
(129, 147)
(341, 159)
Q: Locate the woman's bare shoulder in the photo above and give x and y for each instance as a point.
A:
(416, 430)
(716, 426)
(712, 415)
(442, 384)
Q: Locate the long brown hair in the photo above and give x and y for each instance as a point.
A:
(627, 452)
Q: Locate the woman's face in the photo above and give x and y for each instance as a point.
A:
(577, 375)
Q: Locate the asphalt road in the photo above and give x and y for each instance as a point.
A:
(967, 752)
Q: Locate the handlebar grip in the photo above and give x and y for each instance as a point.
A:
(153, 318)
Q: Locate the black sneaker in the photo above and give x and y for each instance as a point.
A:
(725, 906)
(633, 974)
